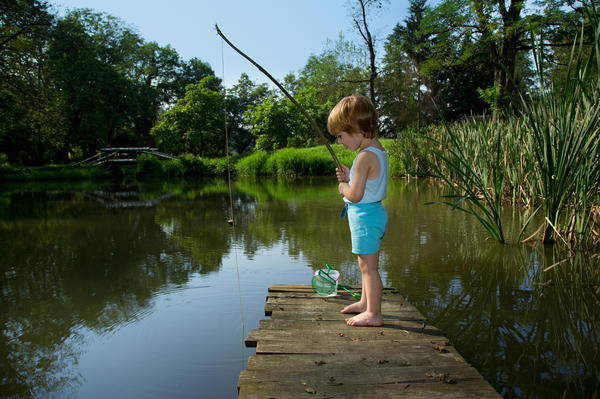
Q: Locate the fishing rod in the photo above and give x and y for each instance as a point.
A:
(288, 95)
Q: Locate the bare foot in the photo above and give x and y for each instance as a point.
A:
(365, 319)
(356, 307)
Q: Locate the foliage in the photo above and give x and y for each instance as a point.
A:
(72, 84)
(147, 165)
(303, 162)
(334, 73)
(545, 158)
(26, 98)
(193, 165)
(277, 123)
(240, 97)
(195, 124)
(173, 168)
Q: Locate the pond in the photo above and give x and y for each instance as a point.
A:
(144, 291)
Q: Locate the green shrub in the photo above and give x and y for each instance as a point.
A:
(218, 166)
(253, 164)
(194, 166)
(148, 166)
(173, 168)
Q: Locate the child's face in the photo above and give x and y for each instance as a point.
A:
(351, 141)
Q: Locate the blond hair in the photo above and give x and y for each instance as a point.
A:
(353, 114)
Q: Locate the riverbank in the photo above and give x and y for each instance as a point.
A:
(289, 162)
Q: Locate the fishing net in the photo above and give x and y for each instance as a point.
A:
(325, 282)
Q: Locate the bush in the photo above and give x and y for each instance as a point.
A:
(253, 164)
(173, 168)
(194, 166)
(147, 166)
(218, 166)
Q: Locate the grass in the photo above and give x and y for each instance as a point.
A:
(314, 161)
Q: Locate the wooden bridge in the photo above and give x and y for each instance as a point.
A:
(307, 350)
(121, 156)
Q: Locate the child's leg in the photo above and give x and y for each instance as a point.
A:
(372, 292)
(360, 306)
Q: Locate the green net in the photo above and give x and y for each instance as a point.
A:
(324, 282)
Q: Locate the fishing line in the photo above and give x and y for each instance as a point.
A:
(232, 219)
(314, 124)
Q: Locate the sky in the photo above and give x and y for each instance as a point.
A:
(280, 35)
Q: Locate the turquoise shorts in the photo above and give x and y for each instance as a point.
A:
(367, 227)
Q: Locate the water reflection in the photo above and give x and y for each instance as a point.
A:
(74, 267)
(532, 334)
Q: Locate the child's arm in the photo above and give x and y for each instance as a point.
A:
(365, 163)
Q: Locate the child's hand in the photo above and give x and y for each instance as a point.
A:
(342, 175)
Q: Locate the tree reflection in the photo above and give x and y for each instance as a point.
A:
(69, 262)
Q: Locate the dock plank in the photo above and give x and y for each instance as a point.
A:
(306, 349)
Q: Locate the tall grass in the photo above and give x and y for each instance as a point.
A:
(564, 126)
(313, 161)
(547, 157)
(472, 167)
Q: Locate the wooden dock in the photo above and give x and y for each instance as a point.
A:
(306, 350)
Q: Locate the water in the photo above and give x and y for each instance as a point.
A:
(145, 291)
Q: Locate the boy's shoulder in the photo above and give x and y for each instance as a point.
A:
(366, 157)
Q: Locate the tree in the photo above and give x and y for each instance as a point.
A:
(192, 72)
(359, 16)
(335, 73)
(95, 98)
(156, 81)
(26, 97)
(558, 41)
(240, 98)
(397, 102)
(23, 18)
(277, 123)
(406, 49)
(503, 31)
(414, 42)
(195, 124)
(269, 121)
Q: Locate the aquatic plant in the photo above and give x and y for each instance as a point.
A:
(471, 156)
(563, 126)
(547, 157)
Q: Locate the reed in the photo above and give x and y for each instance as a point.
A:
(563, 126)
(471, 155)
(547, 157)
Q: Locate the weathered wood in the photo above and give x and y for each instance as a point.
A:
(306, 349)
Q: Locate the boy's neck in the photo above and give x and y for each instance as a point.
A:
(366, 142)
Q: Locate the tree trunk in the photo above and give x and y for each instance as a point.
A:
(508, 57)
(366, 35)
(503, 60)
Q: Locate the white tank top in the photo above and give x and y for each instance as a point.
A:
(376, 189)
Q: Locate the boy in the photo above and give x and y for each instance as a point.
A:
(353, 121)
